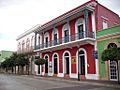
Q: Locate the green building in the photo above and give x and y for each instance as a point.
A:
(105, 39)
(4, 54)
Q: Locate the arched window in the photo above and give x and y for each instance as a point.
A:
(32, 42)
(111, 45)
(27, 43)
(55, 37)
(79, 28)
(19, 46)
(66, 33)
(38, 40)
(46, 39)
(23, 45)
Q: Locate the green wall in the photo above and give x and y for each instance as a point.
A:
(101, 45)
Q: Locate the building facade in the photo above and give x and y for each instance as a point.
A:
(25, 45)
(68, 42)
(105, 39)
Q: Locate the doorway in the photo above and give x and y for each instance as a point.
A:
(112, 65)
(46, 64)
(81, 58)
(66, 63)
(55, 64)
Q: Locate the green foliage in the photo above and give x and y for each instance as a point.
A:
(111, 54)
(15, 59)
(40, 61)
(22, 60)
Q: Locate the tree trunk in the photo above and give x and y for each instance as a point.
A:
(15, 69)
(18, 69)
(22, 70)
(12, 70)
(28, 69)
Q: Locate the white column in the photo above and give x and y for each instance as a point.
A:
(95, 44)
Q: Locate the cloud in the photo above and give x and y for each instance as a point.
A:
(4, 3)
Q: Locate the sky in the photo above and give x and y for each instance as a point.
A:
(18, 16)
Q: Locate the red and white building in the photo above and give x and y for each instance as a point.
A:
(68, 41)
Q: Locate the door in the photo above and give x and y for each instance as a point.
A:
(46, 64)
(55, 66)
(67, 65)
(55, 39)
(66, 32)
(80, 31)
(46, 42)
(113, 70)
(81, 62)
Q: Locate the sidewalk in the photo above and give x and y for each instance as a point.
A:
(90, 82)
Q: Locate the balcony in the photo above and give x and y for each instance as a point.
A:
(67, 42)
(26, 50)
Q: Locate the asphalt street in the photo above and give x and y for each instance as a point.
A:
(12, 82)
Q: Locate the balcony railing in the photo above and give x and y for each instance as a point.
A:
(26, 50)
(66, 39)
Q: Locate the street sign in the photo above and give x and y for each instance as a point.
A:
(95, 54)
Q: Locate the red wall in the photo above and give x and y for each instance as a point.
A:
(110, 15)
(90, 59)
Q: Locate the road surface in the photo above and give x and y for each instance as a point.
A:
(12, 82)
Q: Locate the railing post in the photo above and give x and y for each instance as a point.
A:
(35, 41)
(86, 21)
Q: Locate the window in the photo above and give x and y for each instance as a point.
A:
(27, 43)
(46, 42)
(55, 37)
(66, 33)
(79, 28)
(19, 46)
(104, 23)
(32, 41)
(23, 45)
(46, 39)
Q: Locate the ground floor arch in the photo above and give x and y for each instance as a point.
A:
(81, 64)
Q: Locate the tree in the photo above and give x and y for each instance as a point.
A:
(14, 59)
(39, 62)
(112, 54)
(22, 60)
(4, 65)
